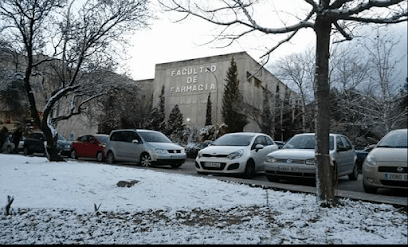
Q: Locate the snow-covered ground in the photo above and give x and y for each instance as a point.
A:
(56, 203)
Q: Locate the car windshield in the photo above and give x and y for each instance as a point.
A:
(102, 139)
(394, 140)
(305, 142)
(233, 140)
(154, 137)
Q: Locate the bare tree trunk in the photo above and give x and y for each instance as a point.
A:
(324, 185)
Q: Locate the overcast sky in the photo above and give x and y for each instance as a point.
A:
(166, 41)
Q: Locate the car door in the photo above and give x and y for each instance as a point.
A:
(259, 155)
(93, 146)
(82, 145)
(135, 148)
(341, 155)
(118, 144)
(349, 154)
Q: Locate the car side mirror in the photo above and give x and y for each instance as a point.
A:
(259, 146)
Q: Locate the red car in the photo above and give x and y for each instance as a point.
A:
(89, 146)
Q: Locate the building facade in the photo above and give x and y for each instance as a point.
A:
(188, 84)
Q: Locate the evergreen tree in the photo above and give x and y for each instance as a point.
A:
(234, 120)
(175, 122)
(162, 114)
(154, 122)
(157, 115)
(208, 114)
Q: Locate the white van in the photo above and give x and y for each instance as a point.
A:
(145, 147)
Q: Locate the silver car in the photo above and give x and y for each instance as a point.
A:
(386, 165)
(296, 159)
(146, 147)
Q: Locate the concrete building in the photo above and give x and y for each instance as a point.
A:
(188, 83)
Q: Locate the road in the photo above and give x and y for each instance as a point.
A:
(344, 184)
(346, 188)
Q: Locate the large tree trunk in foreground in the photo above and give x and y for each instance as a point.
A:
(324, 183)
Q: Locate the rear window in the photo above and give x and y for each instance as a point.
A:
(102, 139)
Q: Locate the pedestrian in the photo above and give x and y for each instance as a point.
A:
(16, 139)
(3, 135)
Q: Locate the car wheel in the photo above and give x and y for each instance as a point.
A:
(272, 178)
(26, 151)
(99, 156)
(175, 165)
(9, 150)
(369, 189)
(110, 158)
(74, 154)
(354, 175)
(249, 169)
(146, 160)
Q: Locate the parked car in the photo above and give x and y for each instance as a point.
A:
(8, 145)
(63, 145)
(386, 165)
(146, 147)
(280, 143)
(296, 159)
(90, 146)
(193, 148)
(34, 143)
(235, 153)
(361, 155)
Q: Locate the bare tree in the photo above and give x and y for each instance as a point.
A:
(298, 69)
(69, 42)
(327, 18)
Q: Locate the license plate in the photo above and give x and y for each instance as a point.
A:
(288, 169)
(395, 176)
(212, 164)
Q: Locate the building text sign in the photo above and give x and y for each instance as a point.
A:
(190, 79)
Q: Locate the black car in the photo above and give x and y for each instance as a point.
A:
(34, 143)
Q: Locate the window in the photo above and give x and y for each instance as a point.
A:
(339, 143)
(117, 136)
(346, 142)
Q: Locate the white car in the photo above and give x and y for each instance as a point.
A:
(236, 153)
(386, 165)
(296, 159)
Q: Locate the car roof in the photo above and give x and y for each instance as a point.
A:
(246, 133)
(331, 134)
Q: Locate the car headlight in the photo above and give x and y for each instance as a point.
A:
(235, 155)
(370, 160)
(160, 151)
(270, 159)
(310, 161)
